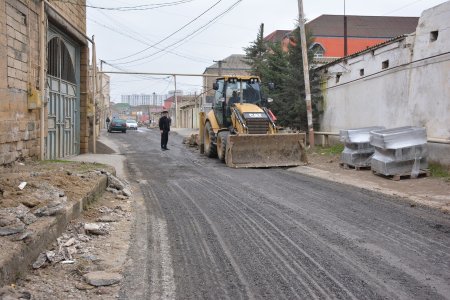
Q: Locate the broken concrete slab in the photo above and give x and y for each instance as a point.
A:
(102, 278)
(10, 224)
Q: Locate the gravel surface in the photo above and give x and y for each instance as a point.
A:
(205, 231)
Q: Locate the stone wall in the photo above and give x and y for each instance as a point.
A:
(19, 74)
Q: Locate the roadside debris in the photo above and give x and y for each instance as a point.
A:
(192, 140)
(22, 185)
(102, 278)
(74, 243)
(10, 224)
(118, 186)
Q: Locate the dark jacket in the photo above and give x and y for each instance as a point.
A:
(164, 123)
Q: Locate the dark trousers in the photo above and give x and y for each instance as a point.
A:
(164, 139)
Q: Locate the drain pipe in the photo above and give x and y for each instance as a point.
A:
(94, 98)
(42, 52)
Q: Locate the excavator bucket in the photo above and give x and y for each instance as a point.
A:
(265, 150)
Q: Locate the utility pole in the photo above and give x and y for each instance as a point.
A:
(306, 73)
(345, 33)
(101, 122)
(176, 101)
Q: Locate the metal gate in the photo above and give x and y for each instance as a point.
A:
(63, 101)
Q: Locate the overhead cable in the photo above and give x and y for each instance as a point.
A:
(189, 36)
(129, 8)
(197, 59)
(170, 35)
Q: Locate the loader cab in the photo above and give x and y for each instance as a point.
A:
(232, 90)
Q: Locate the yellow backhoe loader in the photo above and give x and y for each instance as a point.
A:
(242, 132)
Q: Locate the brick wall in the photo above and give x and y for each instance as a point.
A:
(19, 73)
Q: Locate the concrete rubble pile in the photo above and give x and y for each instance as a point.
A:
(74, 243)
(399, 151)
(46, 201)
(192, 140)
(120, 188)
(357, 148)
(34, 201)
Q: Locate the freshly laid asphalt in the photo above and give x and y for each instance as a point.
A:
(205, 231)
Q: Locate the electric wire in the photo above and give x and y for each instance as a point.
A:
(146, 43)
(170, 35)
(129, 8)
(189, 36)
(400, 8)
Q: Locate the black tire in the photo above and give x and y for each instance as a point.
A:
(124, 131)
(222, 144)
(210, 147)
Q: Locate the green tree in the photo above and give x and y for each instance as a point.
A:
(274, 70)
(255, 53)
(285, 69)
(289, 104)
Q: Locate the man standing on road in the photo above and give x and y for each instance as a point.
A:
(164, 127)
(107, 122)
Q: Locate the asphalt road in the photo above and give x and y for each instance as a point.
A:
(205, 231)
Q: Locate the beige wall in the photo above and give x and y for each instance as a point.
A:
(19, 75)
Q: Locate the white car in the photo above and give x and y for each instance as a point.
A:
(131, 124)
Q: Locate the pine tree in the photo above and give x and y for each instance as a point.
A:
(255, 53)
(290, 106)
(285, 70)
(274, 70)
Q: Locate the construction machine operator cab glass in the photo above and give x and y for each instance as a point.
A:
(242, 91)
(232, 90)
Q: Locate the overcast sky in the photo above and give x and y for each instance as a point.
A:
(186, 36)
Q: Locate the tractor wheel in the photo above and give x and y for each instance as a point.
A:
(222, 145)
(210, 148)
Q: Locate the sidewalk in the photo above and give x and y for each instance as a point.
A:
(116, 159)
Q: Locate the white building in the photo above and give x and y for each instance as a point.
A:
(402, 82)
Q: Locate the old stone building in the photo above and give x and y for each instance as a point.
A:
(44, 58)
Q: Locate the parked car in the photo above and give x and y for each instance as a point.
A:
(131, 124)
(117, 125)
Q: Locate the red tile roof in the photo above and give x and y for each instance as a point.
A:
(362, 26)
(334, 47)
(362, 31)
(168, 102)
(277, 36)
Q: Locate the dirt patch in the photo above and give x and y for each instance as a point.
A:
(73, 179)
(434, 191)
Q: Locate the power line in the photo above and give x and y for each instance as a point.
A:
(170, 35)
(144, 42)
(400, 8)
(189, 36)
(130, 8)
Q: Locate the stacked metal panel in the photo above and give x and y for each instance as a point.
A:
(358, 150)
(399, 151)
